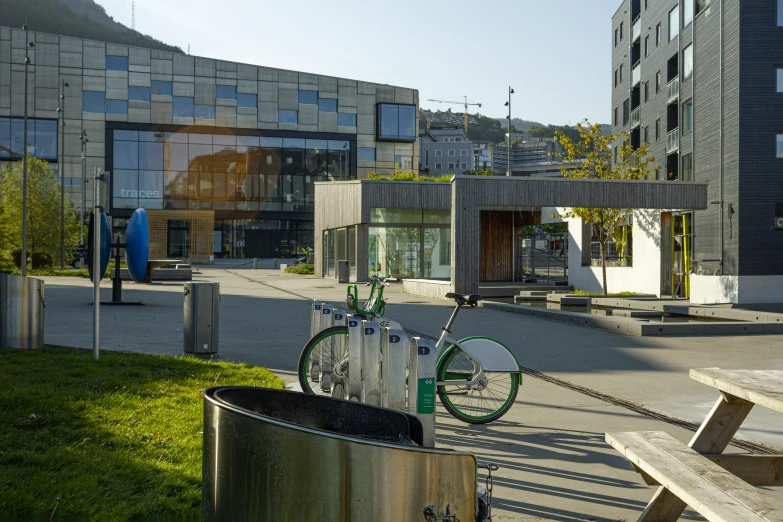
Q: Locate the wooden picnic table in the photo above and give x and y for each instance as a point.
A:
(719, 487)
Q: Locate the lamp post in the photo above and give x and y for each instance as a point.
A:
(508, 104)
(28, 45)
(61, 112)
(84, 140)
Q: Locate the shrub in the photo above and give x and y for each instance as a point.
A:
(41, 260)
(301, 269)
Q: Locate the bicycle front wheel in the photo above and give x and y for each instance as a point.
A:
(323, 363)
(472, 395)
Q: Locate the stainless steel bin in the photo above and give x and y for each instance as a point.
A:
(202, 317)
(21, 312)
(343, 271)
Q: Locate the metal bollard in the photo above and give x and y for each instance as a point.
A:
(421, 385)
(325, 355)
(255, 263)
(371, 363)
(340, 350)
(355, 337)
(394, 355)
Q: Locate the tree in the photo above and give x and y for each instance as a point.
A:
(43, 210)
(591, 157)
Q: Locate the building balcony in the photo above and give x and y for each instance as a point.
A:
(636, 117)
(636, 31)
(673, 141)
(673, 90)
(636, 74)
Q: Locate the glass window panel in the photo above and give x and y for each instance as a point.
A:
(248, 141)
(780, 12)
(45, 139)
(407, 122)
(205, 139)
(226, 92)
(271, 142)
(125, 183)
(200, 158)
(293, 161)
(93, 101)
(294, 143)
(674, 23)
(150, 184)
(687, 62)
(151, 136)
(317, 144)
(116, 107)
(780, 78)
(395, 215)
(437, 216)
(126, 135)
(327, 105)
(346, 120)
(224, 158)
(365, 154)
(687, 117)
(175, 185)
(437, 253)
(247, 101)
(126, 155)
(687, 168)
(779, 146)
(403, 163)
(317, 160)
(219, 188)
(116, 63)
(270, 161)
(159, 88)
(204, 112)
(243, 191)
(389, 121)
(394, 251)
(150, 156)
(339, 145)
(224, 139)
(183, 107)
(139, 93)
(248, 159)
(176, 157)
(175, 137)
(287, 116)
(272, 187)
(5, 137)
(338, 164)
(308, 97)
(17, 136)
(687, 12)
(205, 185)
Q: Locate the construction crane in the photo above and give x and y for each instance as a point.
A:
(465, 103)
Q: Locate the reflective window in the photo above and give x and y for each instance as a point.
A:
(779, 148)
(41, 138)
(397, 122)
(308, 97)
(183, 107)
(674, 23)
(687, 168)
(394, 251)
(93, 101)
(339, 145)
(125, 188)
(780, 12)
(365, 154)
(687, 62)
(687, 117)
(116, 63)
(437, 216)
(139, 94)
(294, 143)
(44, 138)
(271, 142)
(687, 12)
(151, 136)
(116, 107)
(395, 215)
(159, 88)
(327, 105)
(389, 127)
(247, 101)
(204, 112)
(287, 116)
(780, 79)
(126, 135)
(346, 120)
(226, 92)
(126, 155)
(403, 163)
(151, 156)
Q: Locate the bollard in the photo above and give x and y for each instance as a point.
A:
(255, 263)
(394, 355)
(421, 386)
(355, 336)
(371, 363)
(340, 349)
(325, 355)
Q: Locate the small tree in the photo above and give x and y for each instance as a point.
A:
(591, 157)
(43, 210)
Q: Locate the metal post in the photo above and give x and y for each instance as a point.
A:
(61, 110)
(510, 92)
(315, 318)
(84, 141)
(395, 363)
(96, 267)
(325, 355)
(371, 363)
(355, 329)
(421, 386)
(24, 159)
(339, 348)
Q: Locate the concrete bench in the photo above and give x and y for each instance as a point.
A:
(708, 488)
(569, 299)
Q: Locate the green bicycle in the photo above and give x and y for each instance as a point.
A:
(477, 378)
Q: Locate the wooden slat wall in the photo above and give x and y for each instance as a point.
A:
(496, 245)
(404, 194)
(471, 194)
(337, 204)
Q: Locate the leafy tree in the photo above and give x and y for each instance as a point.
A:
(591, 157)
(517, 141)
(43, 210)
(482, 172)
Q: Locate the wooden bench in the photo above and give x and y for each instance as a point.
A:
(695, 479)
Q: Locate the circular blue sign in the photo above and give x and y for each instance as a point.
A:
(137, 245)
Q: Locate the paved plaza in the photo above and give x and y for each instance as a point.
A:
(554, 462)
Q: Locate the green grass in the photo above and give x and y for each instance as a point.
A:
(601, 294)
(116, 439)
(301, 269)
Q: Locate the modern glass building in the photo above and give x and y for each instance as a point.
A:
(191, 139)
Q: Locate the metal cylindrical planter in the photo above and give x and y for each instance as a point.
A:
(343, 271)
(21, 312)
(281, 456)
(202, 317)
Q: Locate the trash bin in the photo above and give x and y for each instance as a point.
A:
(277, 455)
(343, 271)
(21, 312)
(202, 317)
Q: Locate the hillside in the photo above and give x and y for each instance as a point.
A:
(77, 18)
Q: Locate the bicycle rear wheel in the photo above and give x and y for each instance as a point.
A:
(323, 362)
(473, 396)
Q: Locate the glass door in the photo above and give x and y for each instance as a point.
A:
(178, 240)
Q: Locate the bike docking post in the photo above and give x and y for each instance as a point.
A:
(393, 369)
(325, 363)
(421, 385)
(315, 318)
(355, 337)
(371, 363)
(339, 348)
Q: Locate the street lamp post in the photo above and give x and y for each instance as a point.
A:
(84, 140)
(61, 111)
(28, 45)
(508, 149)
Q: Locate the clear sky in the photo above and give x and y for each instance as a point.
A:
(556, 54)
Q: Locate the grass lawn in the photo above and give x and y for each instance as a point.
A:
(116, 439)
